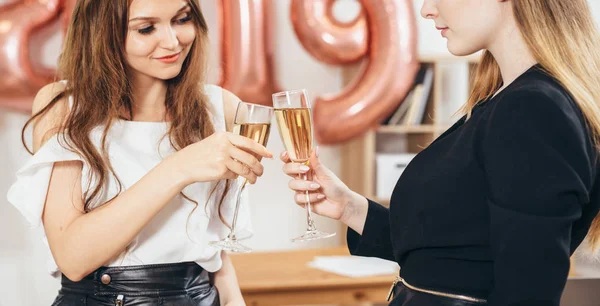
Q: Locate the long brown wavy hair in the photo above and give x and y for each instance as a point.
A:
(564, 40)
(93, 63)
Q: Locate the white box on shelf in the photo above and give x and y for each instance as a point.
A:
(389, 168)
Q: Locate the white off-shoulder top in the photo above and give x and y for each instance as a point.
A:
(179, 232)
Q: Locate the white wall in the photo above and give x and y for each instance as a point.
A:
(276, 219)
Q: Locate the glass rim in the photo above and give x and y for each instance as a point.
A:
(254, 104)
(288, 92)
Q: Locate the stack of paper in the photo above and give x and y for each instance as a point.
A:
(354, 266)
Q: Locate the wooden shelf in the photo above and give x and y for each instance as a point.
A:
(404, 129)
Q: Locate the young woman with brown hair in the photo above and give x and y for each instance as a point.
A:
(132, 157)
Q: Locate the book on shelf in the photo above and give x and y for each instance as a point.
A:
(397, 116)
(411, 110)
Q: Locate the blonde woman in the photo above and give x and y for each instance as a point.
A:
(491, 211)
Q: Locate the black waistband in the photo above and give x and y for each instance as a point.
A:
(159, 280)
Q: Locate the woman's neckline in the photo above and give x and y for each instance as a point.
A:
(526, 72)
(142, 124)
(121, 119)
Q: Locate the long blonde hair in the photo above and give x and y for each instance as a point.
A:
(564, 40)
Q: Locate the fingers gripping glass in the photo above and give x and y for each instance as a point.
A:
(252, 121)
(292, 112)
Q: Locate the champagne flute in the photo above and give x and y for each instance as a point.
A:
(292, 112)
(252, 121)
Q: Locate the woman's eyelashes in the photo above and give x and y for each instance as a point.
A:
(187, 17)
(149, 29)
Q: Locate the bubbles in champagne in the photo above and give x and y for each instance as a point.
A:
(295, 129)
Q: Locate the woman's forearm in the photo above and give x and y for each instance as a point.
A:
(227, 284)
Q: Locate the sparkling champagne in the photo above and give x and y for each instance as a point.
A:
(258, 132)
(295, 129)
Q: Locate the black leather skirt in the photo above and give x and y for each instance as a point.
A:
(406, 295)
(182, 284)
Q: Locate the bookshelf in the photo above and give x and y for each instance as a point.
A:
(358, 156)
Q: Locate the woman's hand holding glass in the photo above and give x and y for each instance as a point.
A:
(294, 121)
(328, 195)
(252, 122)
(220, 156)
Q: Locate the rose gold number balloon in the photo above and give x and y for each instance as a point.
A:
(20, 79)
(247, 49)
(386, 78)
(324, 37)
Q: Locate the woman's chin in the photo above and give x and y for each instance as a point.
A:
(461, 50)
(169, 74)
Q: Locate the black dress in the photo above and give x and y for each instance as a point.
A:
(495, 206)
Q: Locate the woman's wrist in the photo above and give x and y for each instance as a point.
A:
(181, 176)
(355, 211)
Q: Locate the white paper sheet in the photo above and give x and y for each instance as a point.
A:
(354, 266)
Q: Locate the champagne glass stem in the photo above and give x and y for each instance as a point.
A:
(309, 220)
(237, 209)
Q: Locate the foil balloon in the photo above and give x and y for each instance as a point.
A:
(247, 49)
(324, 37)
(385, 79)
(20, 79)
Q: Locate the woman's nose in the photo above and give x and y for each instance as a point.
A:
(429, 10)
(169, 39)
